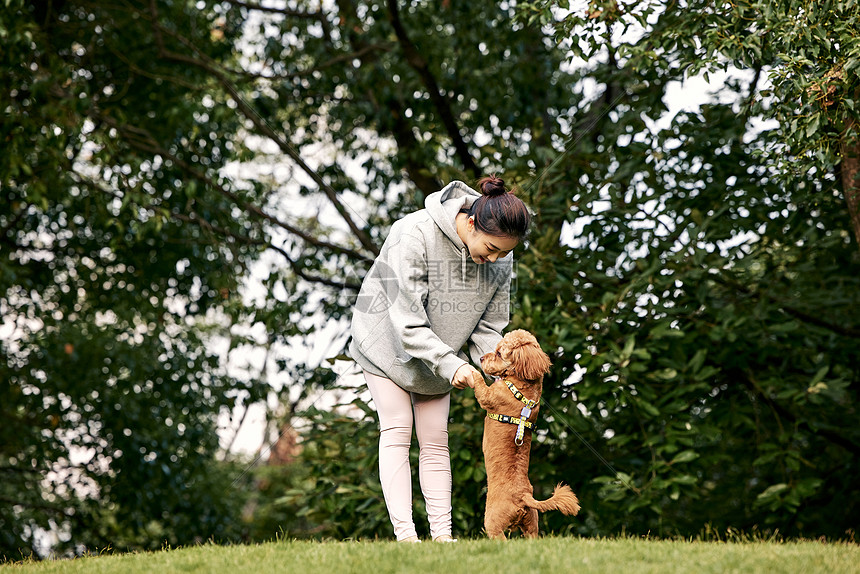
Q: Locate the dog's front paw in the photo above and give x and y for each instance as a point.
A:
(476, 379)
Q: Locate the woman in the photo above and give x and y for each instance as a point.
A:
(441, 281)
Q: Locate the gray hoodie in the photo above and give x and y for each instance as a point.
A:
(424, 299)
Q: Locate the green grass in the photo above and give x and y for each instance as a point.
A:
(543, 556)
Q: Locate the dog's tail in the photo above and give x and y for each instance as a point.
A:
(562, 499)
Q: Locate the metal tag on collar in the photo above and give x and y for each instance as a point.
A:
(521, 431)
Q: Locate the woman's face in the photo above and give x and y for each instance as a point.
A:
(486, 248)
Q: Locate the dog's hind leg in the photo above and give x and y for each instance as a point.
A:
(495, 530)
(529, 524)
(496, 520)
(499, 535)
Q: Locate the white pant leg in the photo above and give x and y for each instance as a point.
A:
(394, 408)
(434, 459)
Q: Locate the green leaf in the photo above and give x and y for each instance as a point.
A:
(685, 456)
(772, 491)
(819, 375)
(647, 407)
(629, 345)
(666, 374)
(698, 360)
(813, 124)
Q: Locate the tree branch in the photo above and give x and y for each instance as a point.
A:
(18, 470)
(834, 437)
(400, 128)
(796, 313)
(849, 169)
(283, 11)
(13, 502)
(419, 64)
(143, 141)
(340, 58)
(405, 138)
(319, 16)
(13, 221)
(298, 270)
(224, 232)
(249, 113)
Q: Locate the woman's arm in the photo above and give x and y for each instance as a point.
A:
(408, 258)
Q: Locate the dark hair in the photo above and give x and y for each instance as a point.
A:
(498, 212)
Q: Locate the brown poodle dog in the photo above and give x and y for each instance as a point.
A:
(520, 365)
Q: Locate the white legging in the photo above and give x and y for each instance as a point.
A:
(395, 409)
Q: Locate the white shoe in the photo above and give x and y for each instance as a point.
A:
(444, 538)
(412, 540)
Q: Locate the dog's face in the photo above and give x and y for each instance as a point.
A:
(517, 354)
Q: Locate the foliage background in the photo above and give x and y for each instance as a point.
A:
(192, 192)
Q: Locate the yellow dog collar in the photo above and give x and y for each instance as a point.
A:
(511, 420)
(521, 421)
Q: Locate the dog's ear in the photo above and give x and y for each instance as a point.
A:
(505, 349)
(529, 361)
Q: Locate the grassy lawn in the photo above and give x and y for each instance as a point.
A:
(546, 555)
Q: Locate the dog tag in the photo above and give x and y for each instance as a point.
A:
(526, 413)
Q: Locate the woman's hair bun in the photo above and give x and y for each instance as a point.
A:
(492, 186)
(498, 212)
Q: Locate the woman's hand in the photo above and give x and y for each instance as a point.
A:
(465, 377)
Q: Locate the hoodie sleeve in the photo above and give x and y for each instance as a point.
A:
(488, 331)
(408, 257)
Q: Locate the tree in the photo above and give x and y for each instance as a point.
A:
(708, 277)
(121, 250)
(126, 245)
(696, 274)
(414, 96)
(693, 278)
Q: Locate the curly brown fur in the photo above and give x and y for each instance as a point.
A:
(510, 501)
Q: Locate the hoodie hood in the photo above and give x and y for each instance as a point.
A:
(443, 206)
